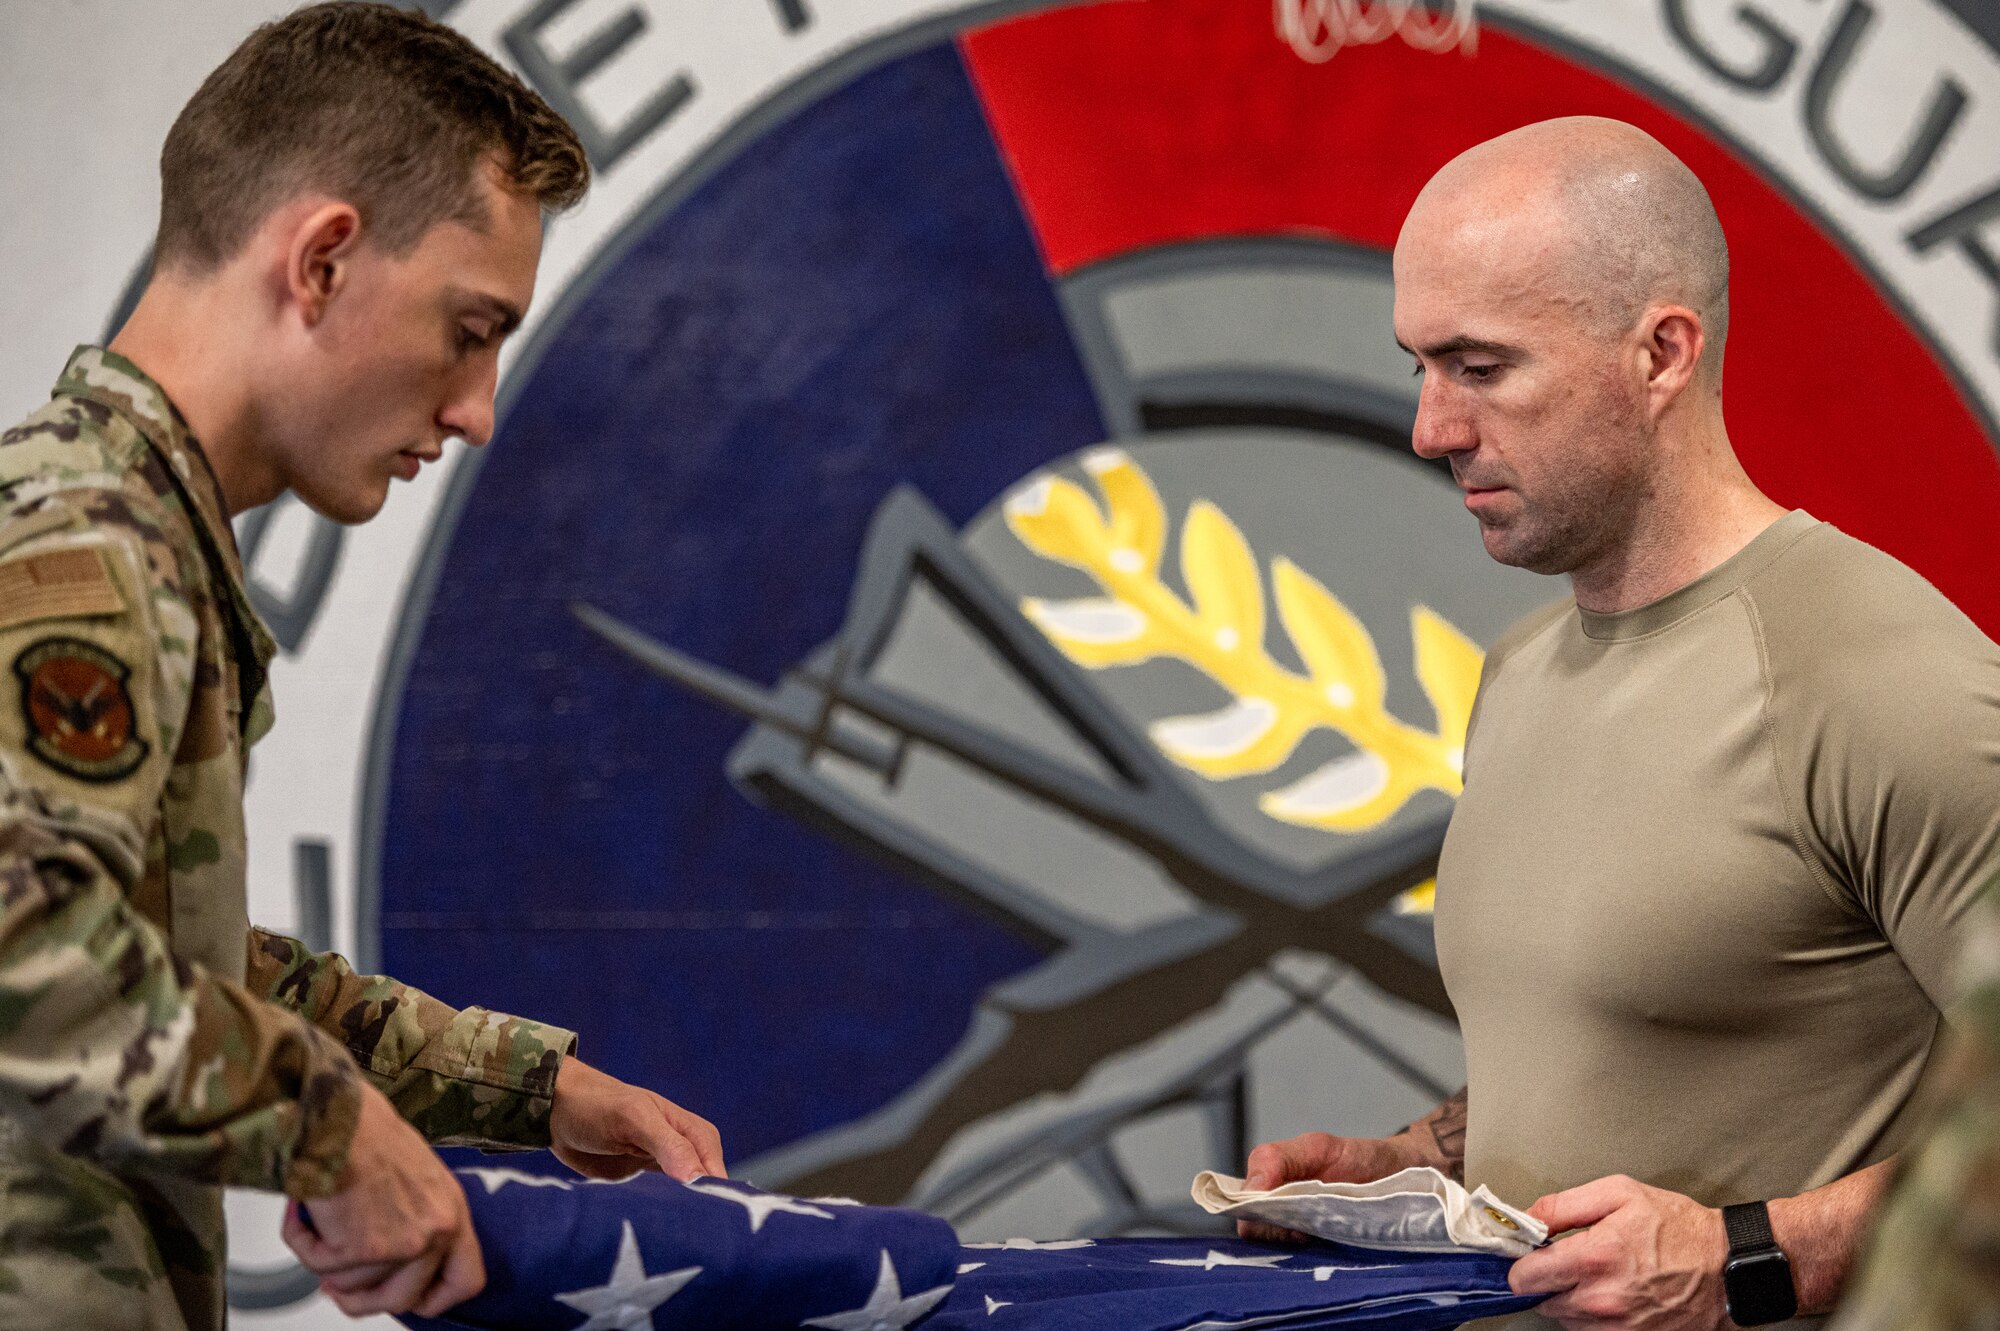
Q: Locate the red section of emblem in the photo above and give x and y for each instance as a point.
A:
(1132, 126)
(78, 711)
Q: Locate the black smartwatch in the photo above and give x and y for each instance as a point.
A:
(1757, 1279)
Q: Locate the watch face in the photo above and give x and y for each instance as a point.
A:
(1758, 1287)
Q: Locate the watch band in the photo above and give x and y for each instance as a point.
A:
(1748, 1225)
(1757, 1286)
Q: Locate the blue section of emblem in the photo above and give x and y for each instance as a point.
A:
(853, 301)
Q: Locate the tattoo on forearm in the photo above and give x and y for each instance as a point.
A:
(1446, 1125)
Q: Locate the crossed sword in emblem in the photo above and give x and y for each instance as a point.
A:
(77, 716)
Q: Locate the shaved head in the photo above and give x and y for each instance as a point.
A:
(1619, 222)
(1565, 290)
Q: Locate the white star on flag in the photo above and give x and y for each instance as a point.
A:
(626, 1303)
(1029, 1245)
(886, 1309)
(495, 1179)
(1326, 1272)
(1215, 1259)
(994, 1305)
(965, 1267)
(760, 1205)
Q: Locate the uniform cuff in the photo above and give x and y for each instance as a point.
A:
(491, 1081)
(329, 1112)
(505, 1053)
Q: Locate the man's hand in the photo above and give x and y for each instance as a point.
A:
(397, 1236)
(1648, 1259)
(1330, 1159)
(1437, 1139)
(604, 1128)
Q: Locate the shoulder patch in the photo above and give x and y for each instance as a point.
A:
(79, 713)
(56, 584)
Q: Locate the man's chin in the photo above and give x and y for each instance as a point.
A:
(1507, 543)
(347, 507)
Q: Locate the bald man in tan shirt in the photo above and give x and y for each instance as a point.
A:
(1724, 809)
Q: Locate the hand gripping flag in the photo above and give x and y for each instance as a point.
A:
(650, 1254)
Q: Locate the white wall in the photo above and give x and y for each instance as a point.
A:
(90, 89)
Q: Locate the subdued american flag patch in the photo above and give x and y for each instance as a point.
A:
(57, 584)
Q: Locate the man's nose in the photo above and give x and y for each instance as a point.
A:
(469, 412)
(1442, 427)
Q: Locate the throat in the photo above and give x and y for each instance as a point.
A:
(1659, 559)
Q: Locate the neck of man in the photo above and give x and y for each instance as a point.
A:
(189, 336)
(1697, 509)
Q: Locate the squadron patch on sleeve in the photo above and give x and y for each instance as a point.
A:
(79, 713)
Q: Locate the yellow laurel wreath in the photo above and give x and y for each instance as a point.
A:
(1221, 633)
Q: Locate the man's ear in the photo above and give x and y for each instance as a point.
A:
(319, 257)
(1673, 352)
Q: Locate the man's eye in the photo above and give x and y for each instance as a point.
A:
(1417, 370)
(1479, 373)
(470, 339)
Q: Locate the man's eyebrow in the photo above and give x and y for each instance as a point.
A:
(1452, 346)
(508, 316)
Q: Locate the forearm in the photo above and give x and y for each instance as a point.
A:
(461, 1076)
(1438, 1138)
(1821, 1232)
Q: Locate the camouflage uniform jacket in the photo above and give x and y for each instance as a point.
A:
(154, 1047)
(1934, 1260)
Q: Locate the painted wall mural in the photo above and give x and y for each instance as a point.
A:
(949, 666)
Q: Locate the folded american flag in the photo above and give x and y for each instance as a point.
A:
(650, 1254)
(1212, 1284)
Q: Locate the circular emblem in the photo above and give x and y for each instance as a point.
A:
(78, 710)
(952, 630)
(991, 620)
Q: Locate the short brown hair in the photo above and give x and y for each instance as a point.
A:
(378, 106)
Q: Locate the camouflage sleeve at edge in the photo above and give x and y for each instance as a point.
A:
(463, 1078)
(112, 1049)
(1933, 1262)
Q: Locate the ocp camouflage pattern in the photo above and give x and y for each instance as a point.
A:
(153, 1047)
(1934, 1261)
(465, 1077)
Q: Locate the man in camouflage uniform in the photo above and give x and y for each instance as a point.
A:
(326, 324)
(1934, 1260)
